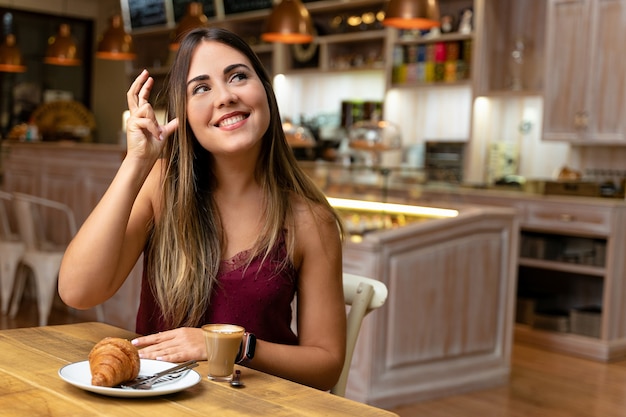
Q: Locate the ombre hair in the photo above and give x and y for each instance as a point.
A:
(184, 250)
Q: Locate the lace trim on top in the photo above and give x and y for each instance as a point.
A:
(235, 262)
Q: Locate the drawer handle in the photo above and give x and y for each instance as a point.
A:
(567, 218)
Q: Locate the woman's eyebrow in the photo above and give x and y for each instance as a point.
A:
(234, 67)
(202, 77)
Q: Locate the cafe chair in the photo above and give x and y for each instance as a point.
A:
(11, 251)
(362, 295)
(45, 246)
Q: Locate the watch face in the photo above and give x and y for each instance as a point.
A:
(58, 120)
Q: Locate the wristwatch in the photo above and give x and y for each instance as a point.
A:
(246, 349)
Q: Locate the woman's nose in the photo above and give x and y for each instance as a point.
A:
(225, 96)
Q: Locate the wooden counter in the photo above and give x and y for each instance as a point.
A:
(571, 257)
(447, 325)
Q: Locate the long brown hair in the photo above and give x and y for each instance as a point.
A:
(185, 247)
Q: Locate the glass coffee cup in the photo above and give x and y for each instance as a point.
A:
(222, 344)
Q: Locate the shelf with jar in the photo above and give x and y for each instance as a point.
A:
(436, 57)
(350, 36)
(425, 60)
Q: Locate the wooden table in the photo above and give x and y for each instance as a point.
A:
(30, 385)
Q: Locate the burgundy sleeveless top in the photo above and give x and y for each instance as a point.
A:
(257, 296)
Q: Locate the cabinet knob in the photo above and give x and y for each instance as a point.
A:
(581, 120)
(567, 218)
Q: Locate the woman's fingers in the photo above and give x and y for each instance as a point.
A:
(146, 125)
(169, 128)
(139, 91)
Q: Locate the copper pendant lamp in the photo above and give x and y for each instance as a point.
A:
(289, 22)
(115, 43)
(194, 18)
(10, 55)
(412, 14)
(62, 48)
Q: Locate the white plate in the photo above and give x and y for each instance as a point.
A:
(79, 375)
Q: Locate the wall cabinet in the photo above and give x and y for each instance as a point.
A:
(584, 92)
(510, 48)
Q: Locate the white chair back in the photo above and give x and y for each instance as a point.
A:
(46, 227)
(11, 251)
(34, 216)
(362, 295)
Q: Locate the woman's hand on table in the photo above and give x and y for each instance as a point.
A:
(178, 345)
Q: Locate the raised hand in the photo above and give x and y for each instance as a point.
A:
(144, 135)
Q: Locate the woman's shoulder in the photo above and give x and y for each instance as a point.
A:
(314, 222)
(306, 211)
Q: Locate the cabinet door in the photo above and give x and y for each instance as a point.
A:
(567, 55)
(607, 66)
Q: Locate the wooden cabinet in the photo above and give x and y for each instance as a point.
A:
(510, 48)
(570, 260)
(447, 324)
(584, 93)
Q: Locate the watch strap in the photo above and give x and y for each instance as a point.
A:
(247, 348)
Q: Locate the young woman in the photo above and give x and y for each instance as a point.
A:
(230, 228)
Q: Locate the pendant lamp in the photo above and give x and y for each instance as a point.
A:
(10, 55)
(194, 17)
(115, 43)
(289, 22)
(62, 48)
(412, 14)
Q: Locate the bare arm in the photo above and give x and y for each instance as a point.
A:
(318, 359)
(109, 242)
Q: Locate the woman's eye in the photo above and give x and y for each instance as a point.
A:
(239, 76)
(200, 89)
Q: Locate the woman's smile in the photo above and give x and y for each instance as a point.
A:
(231, 121)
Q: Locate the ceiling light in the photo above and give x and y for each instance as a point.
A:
(289, 22)
(62, 48)
(116, 44)
(10, 55)
(412, 14)
(194, 17)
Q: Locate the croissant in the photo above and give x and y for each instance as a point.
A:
(112, 361)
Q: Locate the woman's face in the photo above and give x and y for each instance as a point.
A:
(227, 106)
